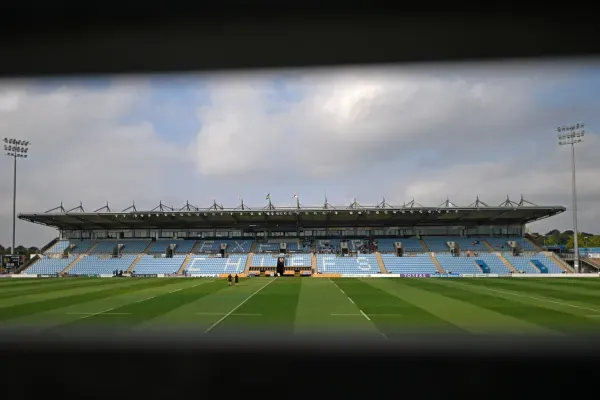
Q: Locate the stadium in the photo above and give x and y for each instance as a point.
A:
(280, 252)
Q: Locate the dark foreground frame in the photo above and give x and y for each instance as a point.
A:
(168, 366)
(58, 41)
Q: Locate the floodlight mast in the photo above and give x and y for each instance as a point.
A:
(15, 148)
(569, 136)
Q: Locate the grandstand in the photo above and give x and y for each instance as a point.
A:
(349, 240)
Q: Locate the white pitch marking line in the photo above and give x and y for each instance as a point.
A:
(176, 290)
(98, 313)
(238, 306)
(240, 314)
(148, 298)
(531, 297)
(361, 311)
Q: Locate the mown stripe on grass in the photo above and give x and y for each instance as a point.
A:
(51, 295)
(464, 314)
(324, 308)
(277, 303)
(56, 287)
(16, 284)
(518, 307)
(392, 315)
(21, 310)
(552, 284)
(143, 311)
(552, 292)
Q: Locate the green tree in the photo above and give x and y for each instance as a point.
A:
(584, 240)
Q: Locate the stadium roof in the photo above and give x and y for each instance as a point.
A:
(293, 217)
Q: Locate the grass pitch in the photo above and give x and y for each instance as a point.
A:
(382, 308)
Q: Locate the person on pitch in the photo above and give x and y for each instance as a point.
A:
(237, 279)
(229, 280)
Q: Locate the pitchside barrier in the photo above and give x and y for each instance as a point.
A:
(591, 275)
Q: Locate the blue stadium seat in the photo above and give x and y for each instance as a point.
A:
(410, 245)
(49, 266)
(233, 246)
(159, 265)
(216, 265)
(96, 265)
(182, 246)
(417, 264)
(521, 263)
(362, 265)
(299, 260)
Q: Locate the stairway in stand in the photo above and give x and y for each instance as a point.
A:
(134, 263)
(186, 262)
(437, 263)
(380, 262)
(73, 263)
(248, 263)
(507, 263)
(486, 244)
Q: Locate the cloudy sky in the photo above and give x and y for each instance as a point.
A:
(423, 132)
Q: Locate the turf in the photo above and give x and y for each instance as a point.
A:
(379, 308)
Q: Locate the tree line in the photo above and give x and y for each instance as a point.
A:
(566, 238)
(22, 250)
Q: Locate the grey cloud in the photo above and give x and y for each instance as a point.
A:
(81, 150)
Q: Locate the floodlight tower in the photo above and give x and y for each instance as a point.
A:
(569, 136)
(15, 148)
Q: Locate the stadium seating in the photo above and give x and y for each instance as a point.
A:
(326, 244)
(362, 265)
(267, 247)
(367, 264)
(233, 246)
(521, 263)
(495, 264)
(418, 264)
(216, 265)
(273, 245)
(497, 243)
(182, 246)
(411, 245)
(553, 267)
(300, 260)
(472, 244)
(525, 244)
(49, 266)
(95, 264)
(468, 265)
(458, 265)
(82, 246)
(438, 244)
(159, 265)
(58, 247)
